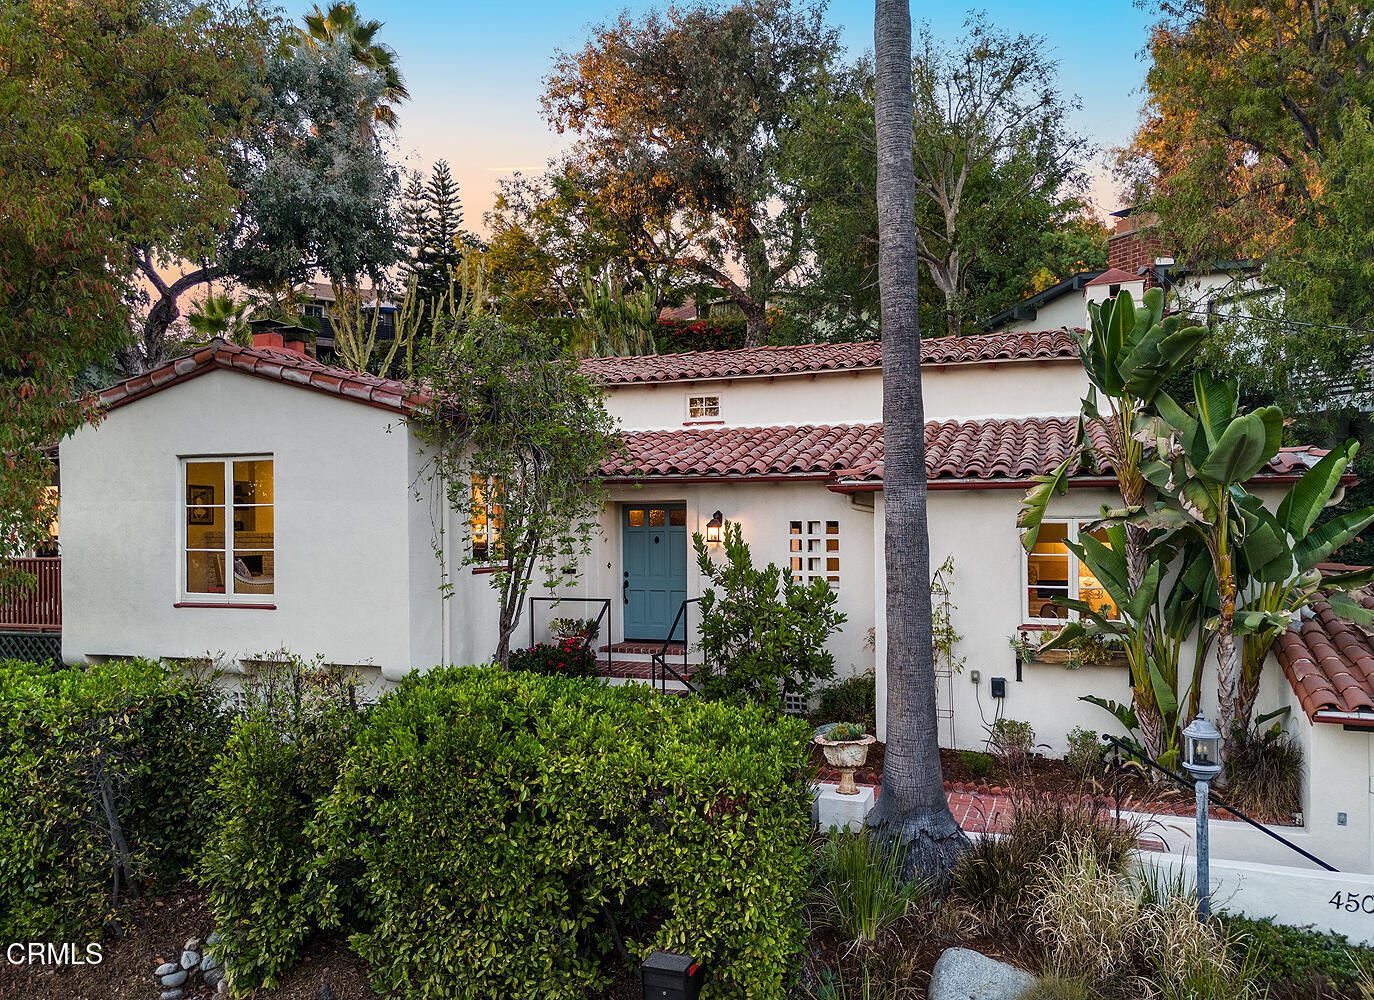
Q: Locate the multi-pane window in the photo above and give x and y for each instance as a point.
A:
(703, 407)
(230, 534)
(815, 551)
(487, 523)
(1054, 573)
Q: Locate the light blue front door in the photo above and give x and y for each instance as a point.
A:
(654, 548)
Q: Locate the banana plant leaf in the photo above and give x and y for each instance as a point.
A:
(1304, 502)
(1245, 446)
(1345, 607)
(1326, 538)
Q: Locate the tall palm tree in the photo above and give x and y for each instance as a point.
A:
(341, 25)
(911, 806)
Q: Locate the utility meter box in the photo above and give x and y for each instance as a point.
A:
(671, 977)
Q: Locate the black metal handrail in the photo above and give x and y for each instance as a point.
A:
(659, 661)
(1215, 799)
(605, 616)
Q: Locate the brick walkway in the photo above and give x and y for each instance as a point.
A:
(979, 813)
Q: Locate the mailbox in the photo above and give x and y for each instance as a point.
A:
(671, 977)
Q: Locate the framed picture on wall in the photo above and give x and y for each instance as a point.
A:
(199, 505)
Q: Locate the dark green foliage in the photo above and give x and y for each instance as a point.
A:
(1087, 753)
(979, 765)
(677, 336)
(153, 736)
(852, 698)
(282, 759)
(564, 804)
(568, 658)
(762, 634)
(1298, 961)
(1264, 769)
(999, 875)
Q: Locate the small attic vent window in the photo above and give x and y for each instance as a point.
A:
(703, 407)
(1114, 290)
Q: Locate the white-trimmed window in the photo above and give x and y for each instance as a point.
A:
(703, 407)
(229, 538)
(1050, 570)
(814, 549)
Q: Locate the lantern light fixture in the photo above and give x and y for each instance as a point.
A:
(1202, 760)
(715, 528)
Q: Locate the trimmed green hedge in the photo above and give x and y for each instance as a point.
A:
(506, 826)
(153, 734)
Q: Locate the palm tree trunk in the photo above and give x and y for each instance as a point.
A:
(911, 806)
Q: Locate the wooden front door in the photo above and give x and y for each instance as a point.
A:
(654, 570)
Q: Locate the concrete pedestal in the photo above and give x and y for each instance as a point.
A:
(831, 809)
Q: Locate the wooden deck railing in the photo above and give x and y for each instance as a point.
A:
(37, 608)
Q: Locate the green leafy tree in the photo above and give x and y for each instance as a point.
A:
(680, 118)
(616, 321)
(112, 139)
(998, 179)
(317, 192)
(1255, 145)
(762, 633)
(516, 441)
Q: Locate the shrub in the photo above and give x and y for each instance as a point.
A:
(282, 759)
(572, 813)
(134, 736)
(1086, 753)
(978, 765)
(1264, 771)
(862, 892)
(762, 634)
(567, 658)
(852, 698)
(1011, 742)
(997, 877)
(1299, 959)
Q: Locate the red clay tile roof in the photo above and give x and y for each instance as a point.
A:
(852, 454)
(1115, 276)
(803, 358)
(275, 364)
(1329, 662)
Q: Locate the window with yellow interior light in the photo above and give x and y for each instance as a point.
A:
(1051, 572)
(487, 523)
(229, 535)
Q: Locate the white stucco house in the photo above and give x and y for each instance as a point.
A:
(242, 500)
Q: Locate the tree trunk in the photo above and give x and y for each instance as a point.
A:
(1228, 652)
(911, 806)
(755, 323)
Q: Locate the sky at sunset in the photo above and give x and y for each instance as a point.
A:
(475, 71)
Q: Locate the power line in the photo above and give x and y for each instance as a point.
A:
(1275, 319)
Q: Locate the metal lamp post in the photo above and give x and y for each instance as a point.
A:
(1202, 759)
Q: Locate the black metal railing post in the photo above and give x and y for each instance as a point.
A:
(1213, 798)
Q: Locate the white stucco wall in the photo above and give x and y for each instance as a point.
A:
(342, 586)
(950, 392)
(1070, 310)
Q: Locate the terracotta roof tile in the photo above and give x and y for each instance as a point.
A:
(276, 364)
(1329, 662)
(803, 358)
(852, 454)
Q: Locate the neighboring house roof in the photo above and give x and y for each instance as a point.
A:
(806, 358)
(1114, 276)
(851, 455)
(1027, 308)
(273, 364)
(1330, 664)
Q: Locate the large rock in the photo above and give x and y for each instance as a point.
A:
(174, 980)
(961, 974)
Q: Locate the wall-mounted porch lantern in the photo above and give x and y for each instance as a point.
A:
(1202, 759)
(715, 527)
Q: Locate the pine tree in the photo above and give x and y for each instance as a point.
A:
(415, 220)
(440, 251)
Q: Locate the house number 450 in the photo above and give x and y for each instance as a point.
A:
(1352, 902)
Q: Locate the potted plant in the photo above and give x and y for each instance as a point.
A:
(573, 629)
(845, 746)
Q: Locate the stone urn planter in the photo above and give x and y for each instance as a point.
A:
(846, 749)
